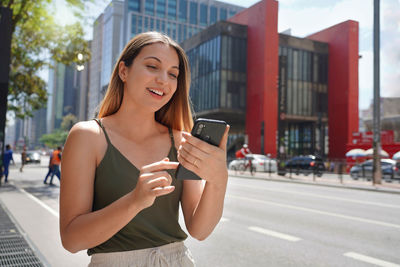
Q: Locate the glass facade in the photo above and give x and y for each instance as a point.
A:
(303, 102)
(149, 7)
(180, 19)
(134, 5)
(161, 8)
(218, 68)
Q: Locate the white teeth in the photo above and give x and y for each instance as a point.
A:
(156, 92)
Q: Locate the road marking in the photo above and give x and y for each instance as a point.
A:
(322, 196)
(41, 203)
(319, 212)
(274, 234)
(370, 260)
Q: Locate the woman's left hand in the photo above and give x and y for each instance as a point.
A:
(206, 160)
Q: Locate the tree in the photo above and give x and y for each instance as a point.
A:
(68, 121)
(35, 35)
(54, 139)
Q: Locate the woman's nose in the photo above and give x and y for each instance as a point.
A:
(162, 77)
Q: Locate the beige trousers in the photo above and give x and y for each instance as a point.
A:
(170, 255)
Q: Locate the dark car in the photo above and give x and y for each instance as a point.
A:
(304, 164)
(390, 170)
(32, 157)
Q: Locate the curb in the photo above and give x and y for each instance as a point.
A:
(343, 186)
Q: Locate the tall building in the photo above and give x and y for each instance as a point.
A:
(282, 94)
(69, 90)
(112, 40)
(122, 20)
(94, 94)
(83, 82)
(180, 19)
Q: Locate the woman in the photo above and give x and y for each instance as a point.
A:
(119, 198)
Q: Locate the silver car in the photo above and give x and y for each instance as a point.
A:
(261, 163)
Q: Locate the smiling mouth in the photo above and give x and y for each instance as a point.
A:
(156, 92)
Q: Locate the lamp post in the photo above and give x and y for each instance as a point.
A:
(377, 174)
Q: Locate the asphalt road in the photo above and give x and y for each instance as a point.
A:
(268, 223)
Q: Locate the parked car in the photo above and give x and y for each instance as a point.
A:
(261, 163)
(32, 157)
(390, 170)
(304, 164)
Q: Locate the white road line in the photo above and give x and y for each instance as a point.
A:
(41, 203)
(370, 260)
(319, 212)
(274, 234)
(322, 196)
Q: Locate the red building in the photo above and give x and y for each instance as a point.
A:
(327, 132)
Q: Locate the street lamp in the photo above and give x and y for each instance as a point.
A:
(80, 66)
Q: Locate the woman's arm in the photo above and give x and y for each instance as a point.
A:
(81, 228)
(202, 205)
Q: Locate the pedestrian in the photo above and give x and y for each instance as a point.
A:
(23, 159)
(55, 165)
(7, 158)
(119, 197)
(50, 172)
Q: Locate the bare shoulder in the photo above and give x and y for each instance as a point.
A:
(87, 133)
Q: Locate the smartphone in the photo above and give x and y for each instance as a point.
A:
(210, 131)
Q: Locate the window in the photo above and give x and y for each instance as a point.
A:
(172, 9)
(161, 8)
(203, 14)
(182, 10)
(134, 5)
(149, 7)
(133, 25)
(213, 15)
(223, 14)
(193, 13)
(140, 24)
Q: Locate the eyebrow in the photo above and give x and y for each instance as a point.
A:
(156, 58)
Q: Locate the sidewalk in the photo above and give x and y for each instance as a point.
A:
(328, 179)
(37, 218)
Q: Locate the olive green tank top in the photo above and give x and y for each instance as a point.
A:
(154, 226)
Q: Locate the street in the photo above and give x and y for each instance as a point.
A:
(265, 223)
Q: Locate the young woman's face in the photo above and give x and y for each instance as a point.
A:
(151, 80)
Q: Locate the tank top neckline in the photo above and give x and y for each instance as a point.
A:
(110, 145)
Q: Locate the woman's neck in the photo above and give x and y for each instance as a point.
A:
(135, 122)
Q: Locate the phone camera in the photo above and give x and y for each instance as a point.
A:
(201, 126)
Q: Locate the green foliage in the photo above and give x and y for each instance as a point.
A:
(36, 35)
(68, 121)
(54, 139)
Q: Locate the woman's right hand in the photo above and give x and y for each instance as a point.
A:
(153, 181)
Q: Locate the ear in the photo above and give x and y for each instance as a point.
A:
(122, 71)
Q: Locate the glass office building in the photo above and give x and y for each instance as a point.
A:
(217, 58)
(180, 19)
(302, 96)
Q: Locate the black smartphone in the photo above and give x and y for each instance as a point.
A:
(207, 130)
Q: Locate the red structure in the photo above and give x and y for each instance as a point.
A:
(262, 76)
(262, 73)
(342, 84)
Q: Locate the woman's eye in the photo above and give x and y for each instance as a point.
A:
(151, 67)
(173, 75)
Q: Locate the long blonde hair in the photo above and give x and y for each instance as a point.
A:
(177, 112)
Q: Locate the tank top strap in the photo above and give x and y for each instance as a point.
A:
(171, 135)
(104, 130)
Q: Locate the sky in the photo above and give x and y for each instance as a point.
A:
(304, 17)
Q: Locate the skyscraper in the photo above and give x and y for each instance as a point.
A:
(180, 19)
